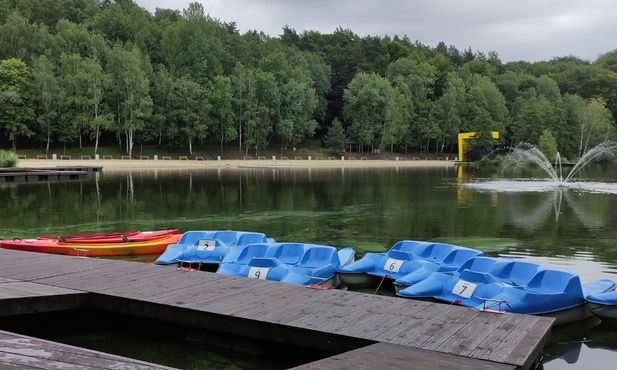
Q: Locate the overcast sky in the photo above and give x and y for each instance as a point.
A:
(529, 30)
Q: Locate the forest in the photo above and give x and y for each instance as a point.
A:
(103, 72)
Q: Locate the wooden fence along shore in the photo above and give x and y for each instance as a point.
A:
(356, 328)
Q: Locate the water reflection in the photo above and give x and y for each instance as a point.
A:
(550, 206)
(589, 344)
(532, 202)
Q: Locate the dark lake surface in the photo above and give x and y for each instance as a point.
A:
(573, 227)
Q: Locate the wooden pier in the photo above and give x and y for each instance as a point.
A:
(356, 328)
(22, 352)
(39, 174)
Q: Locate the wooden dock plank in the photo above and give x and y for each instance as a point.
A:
(374, 325)
(421, 320)
(23, 352)
(383, 317)
(537, 333)
(463, 320)
(254, 305)
(277, 311)
(31, 266)
(187, 290)
(495, 340)
(106, 280)
(391, 356)
(18, 289)
(20, 298)
(437, 330)
(475, 336)
(218, 300)
(514, 337)
(286, 311)
(332, 314)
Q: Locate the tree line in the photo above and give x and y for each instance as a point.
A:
(74, 71)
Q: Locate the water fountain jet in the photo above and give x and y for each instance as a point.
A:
(526, 153)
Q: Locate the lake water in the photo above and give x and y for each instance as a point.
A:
(573, 228)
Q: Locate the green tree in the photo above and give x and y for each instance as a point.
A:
(46, 94)
(569, 140)
(320, 73)
(396, 50)
(161, 86)
(415, 80)
(486, 107)
(221, 114)
(72, 38)
(607, 61)
(244, 98)
(120, 22)
(298, 102)
(83, 84)
(257, 102)
(192, 46)
(366, 105)
(397, 120)
(335, 139)
(129, 93)
(22, 39)
(548, 144)
(535, 115)
(95, 110)
(596, 125)
(189, 111)
(15, 110)
(265, 114)
(337, 48)
(448, 110)
(71, 102)
(483, 141)
(508, 84)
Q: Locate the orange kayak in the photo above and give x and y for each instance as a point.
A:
(96, 248)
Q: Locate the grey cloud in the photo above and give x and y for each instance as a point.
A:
(528, 30)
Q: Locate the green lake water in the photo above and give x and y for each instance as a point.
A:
(573, 228)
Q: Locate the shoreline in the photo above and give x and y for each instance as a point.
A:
(110, 165)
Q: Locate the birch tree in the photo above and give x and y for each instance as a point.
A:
(46, 93)
(129, 93)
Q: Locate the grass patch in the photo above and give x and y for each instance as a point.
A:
(7, 159)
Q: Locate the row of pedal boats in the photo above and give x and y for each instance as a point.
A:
(253, 255)
(417, 269)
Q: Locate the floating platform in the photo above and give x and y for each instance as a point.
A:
(43, 174)
(355, 328)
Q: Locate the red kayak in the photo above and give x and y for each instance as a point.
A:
(112, 237)
(95, 245)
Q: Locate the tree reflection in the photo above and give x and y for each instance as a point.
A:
(553, 205)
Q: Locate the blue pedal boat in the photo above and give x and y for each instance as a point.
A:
(512, 286)
(206, 249)
(452, 262)
(295, 263)
(405, 257)
(604, 306)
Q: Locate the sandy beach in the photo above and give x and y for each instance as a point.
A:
(175, 164)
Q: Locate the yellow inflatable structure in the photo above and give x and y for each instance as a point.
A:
(463, 139)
